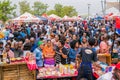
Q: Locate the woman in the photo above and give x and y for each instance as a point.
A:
(8, 52)
(26, 49)
(56, 40)
(67, 43)
(74, 50)
(104, 48)
(48, 54)
(38, 54)
(84, 42)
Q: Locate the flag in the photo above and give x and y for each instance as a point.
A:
(117, 23)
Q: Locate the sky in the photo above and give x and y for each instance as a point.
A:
(81, 6)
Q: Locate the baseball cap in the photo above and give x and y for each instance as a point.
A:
(40, 42)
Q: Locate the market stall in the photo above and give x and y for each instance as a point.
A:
(54, 17)
(16, 70)
(26, 17)
(106, 58)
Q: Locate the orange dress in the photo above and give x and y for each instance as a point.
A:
(48, 51)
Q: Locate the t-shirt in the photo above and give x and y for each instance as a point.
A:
(65, 52)
(59, 57)
(107, 76)
(88, 55)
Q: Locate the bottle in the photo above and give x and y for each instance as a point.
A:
(8, 59)
(1, 58)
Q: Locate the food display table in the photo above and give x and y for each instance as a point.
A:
(16, 71)
(106, 58)
(58, 72)
(56, 77)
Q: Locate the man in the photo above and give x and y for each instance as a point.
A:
(61, 53)
(88, 55)
(34, 46)
(20, 45)
(38, 54)
(17, 51)
(115, 75)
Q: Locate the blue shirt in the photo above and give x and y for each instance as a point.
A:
(38, 54)
(28, 30)
(34, 46)
(22, 34)
(73, 53)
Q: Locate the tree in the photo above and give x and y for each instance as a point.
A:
(24, 7)
(51, 12)
(6, 10)
(39, 8)
(69, 11)
(61, 10)
(58, 9)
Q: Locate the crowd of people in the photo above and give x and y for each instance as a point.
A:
(61, 42)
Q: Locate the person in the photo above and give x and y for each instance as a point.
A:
(55, 40)
(34, 46)
(1, 47)
(61, 53)
(67, 43)
(84, 42)
(26, 49)
(38, 54)
(114, 75)
(87, 55)
(7, 51)
(104, 48)
(74, 50)
(17, 52)
(84, 35)
(20, 45)
(49, 53)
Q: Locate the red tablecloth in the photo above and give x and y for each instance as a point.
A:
(62, 76)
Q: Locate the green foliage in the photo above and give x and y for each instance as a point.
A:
(39, 8)
(69, 11)
(58, 9)
(51, 12)
(61, 10)
(24, 7)
(6, 10)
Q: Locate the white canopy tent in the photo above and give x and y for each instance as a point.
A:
(55, 17)
(26, 17)
(66, 18)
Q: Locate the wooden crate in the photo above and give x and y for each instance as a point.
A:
(16, 72)
(106, 58)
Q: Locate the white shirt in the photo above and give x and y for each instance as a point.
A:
(107, 76)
